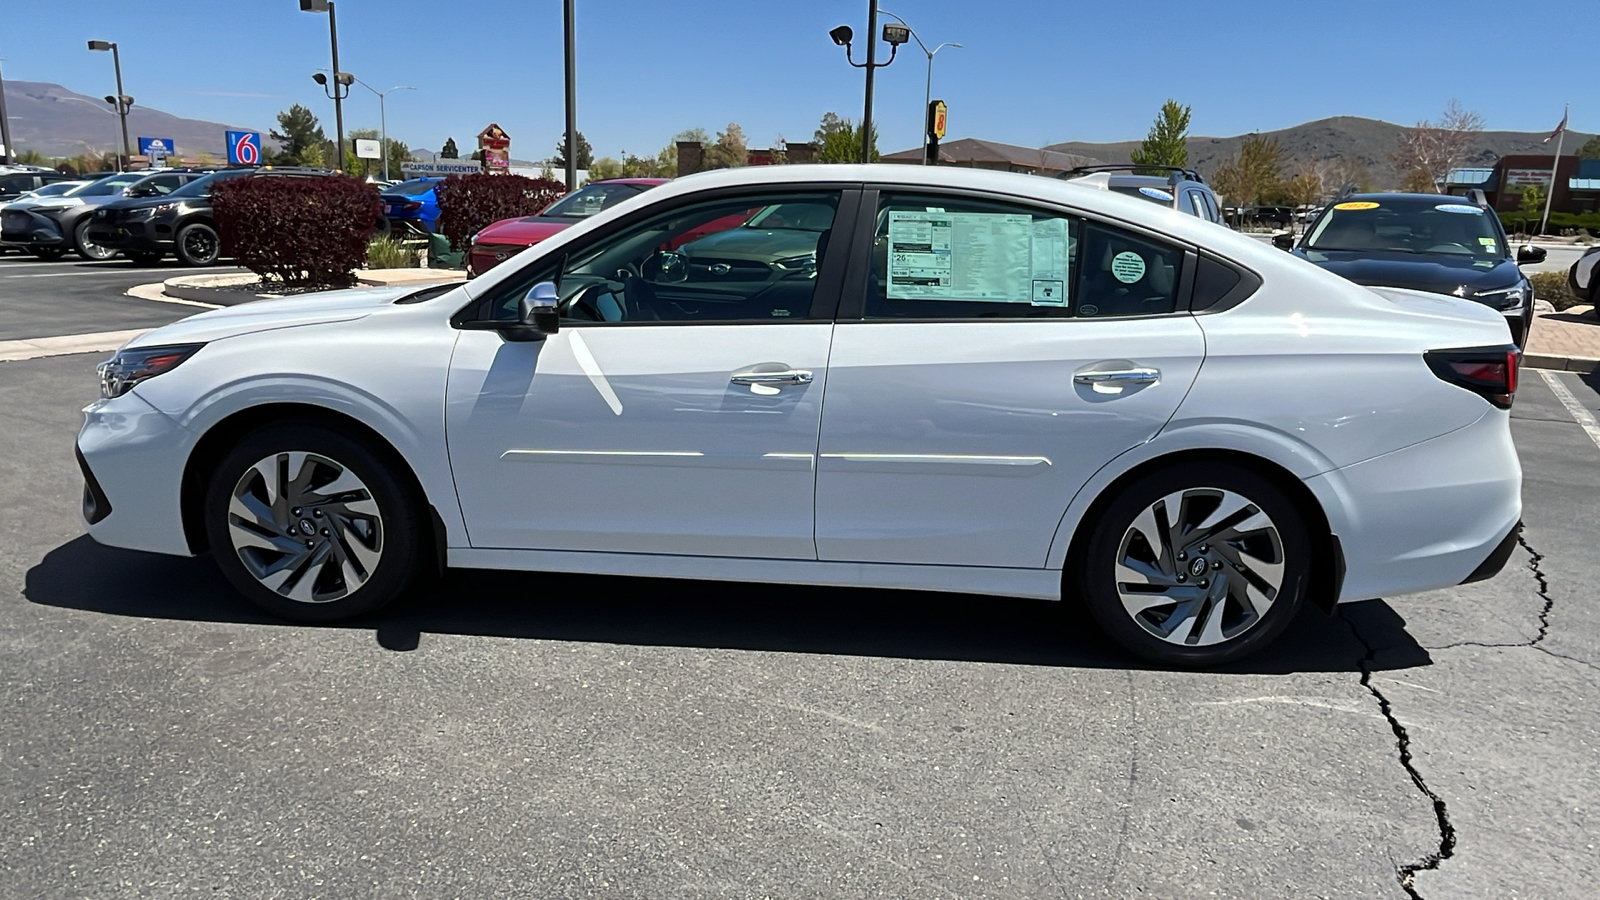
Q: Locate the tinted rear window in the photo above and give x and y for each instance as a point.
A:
(411, 188)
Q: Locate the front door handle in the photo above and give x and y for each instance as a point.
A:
(1117, 373)
(769, 373)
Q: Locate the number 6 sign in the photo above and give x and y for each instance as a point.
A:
(244, 148)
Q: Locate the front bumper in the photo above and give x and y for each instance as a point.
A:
(1427, 516)
(132, 456)
(152, 235)
(30, 229)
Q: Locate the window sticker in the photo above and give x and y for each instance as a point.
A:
(1156, 194)
(983, 257)
(1460, 208)
(1356, 204)
(1487, 242)
(1127, 266)
(1050, 257)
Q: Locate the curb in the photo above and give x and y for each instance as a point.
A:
(1580, 364)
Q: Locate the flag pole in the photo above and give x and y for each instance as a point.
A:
(1555, 168)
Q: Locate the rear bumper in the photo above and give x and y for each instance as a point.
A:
(1429, 516)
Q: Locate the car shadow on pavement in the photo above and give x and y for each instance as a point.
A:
(86, 576)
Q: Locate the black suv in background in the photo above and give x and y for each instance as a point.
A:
(181, 223)
(16, 182)
(50, 226)
(1426, 242)
(1180, 189)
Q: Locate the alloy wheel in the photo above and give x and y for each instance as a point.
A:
(200, 244)
(305, 527)
(1199, 567)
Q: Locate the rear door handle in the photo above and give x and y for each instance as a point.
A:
(1116, 373)
(771, 374)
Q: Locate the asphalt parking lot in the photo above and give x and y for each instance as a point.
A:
(555, 736)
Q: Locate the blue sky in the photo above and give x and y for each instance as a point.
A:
(1031, 71)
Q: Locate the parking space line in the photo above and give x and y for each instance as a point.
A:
(1580, 414)
(62, 345)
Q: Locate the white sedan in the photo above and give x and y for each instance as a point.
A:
(887, 376)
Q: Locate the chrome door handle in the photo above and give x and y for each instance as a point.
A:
(1133, 375)
(780, 376)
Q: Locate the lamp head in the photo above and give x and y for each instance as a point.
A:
(99, 45)
(313, 5)
(345, 78)
(842, 35)
(111, 99)
(895, 35)
(319, 78)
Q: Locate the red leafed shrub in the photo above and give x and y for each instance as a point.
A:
(470, 203)
(309, 229)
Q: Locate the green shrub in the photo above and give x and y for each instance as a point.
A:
(1552, 286)
(390, 253)
(1517, 222)
(470, 203)
(297, 229)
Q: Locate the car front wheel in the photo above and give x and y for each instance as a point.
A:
(87, 248)
(1197, 565)
(312, 525)
(197, 245)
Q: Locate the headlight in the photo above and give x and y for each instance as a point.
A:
(1504, 298)
(145, 212)
(808, 261)
(119, 374)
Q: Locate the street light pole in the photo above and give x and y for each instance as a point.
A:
(383, 120)
(338, 77)
(927, 91)
(8, 153)
(123, 101)
(895, 35)
(569, 28)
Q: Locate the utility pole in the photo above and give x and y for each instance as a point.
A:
(570, 30)
(10, 153)
(872, 56)
(338, 101)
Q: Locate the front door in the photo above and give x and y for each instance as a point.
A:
(1003, 356)
(677, 409)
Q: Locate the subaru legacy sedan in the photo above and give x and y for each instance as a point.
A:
(933, 379)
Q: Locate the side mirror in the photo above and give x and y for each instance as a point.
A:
(1528, 253)
(539, 314)
(1283, 240)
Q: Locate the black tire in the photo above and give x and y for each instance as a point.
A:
(400, 537)
(1114, 533)
(197, 244)
(86, 248)
(142, 258)
(48, 254)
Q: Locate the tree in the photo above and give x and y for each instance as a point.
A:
(643, 167)
(1531, 207)
(839, 141)
(603, 168)
(1309, 186)
(585, 156)
(449, 150)
(1590, 149)
(29, 158)
(667, 159)
(300, 132)
(1254, 175)
(730, 151)
(1168, 141)
(1426, 154)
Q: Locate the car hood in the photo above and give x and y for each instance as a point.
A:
(753, 243)
(1438, 273)
(142, 202)
(267, 315)
(528, 230)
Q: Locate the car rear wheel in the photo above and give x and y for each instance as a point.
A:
(145, 259)
(313, 526)
(197, 244)
(49, 254)
(1197, 565)
(87, 248)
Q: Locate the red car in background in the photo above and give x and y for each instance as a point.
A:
(508, 237)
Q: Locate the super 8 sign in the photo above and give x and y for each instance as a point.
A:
(244, 148)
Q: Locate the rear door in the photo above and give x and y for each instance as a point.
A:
(995, 356)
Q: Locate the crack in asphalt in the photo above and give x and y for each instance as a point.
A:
(1544, 613)
(1407, 873)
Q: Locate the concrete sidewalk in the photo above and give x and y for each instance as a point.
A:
(1568, 340)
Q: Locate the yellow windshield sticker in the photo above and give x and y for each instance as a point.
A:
(1357, 204)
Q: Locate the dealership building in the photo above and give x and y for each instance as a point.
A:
(1576, 184)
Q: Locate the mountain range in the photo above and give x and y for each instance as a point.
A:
(58, 122)
(1346, 139)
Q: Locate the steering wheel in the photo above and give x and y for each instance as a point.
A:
(665, 267)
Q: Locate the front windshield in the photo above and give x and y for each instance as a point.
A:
(201, 187)
(1444, 225)
(108, 185)
(56, 189)
(586, 201)
(816, 217)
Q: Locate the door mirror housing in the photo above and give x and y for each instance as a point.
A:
(539, 314)
(1283, 240)
(1528, 253)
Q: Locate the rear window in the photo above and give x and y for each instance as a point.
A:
(411, 188)
(588, 201)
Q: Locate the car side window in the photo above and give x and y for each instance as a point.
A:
(164, 184)
(951, 258)
(939, 257)
(753, 258)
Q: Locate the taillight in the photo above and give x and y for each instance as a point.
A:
(1489, 372)
(413, 205)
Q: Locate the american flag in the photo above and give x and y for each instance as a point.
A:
(1559, 128)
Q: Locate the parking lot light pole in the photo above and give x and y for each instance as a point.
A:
(339, 78)
(570, 40)
(8, 153)
(895, 35)
(383, 120)
(927, 91)
(121, 101)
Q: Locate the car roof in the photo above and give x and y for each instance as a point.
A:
(649, 181)
(1392, 196)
